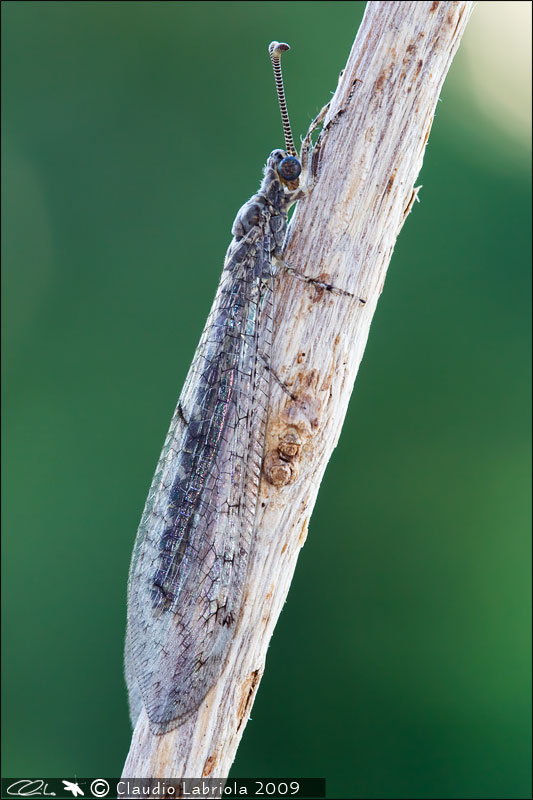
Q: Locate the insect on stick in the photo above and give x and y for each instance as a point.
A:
(190, 558)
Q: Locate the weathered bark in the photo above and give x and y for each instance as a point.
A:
(344, 232)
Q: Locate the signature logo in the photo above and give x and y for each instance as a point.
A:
(40, 789)
(26, 788)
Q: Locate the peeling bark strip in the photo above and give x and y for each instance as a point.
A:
(370, 154)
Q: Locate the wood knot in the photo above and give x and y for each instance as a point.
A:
(289, 445)
(279, 472)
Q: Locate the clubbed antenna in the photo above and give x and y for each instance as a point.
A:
(276, 49)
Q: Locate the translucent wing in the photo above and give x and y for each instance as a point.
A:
(191, 553)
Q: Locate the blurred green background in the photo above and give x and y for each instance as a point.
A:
(132, 132)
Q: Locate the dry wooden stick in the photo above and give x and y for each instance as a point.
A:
(370, 153)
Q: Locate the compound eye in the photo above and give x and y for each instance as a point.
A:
(289, 169)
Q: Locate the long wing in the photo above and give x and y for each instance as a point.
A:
(191, 554)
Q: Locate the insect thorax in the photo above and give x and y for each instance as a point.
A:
(265, 213)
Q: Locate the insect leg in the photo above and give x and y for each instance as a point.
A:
(319, 284)
(277, 378)
(307, 144)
